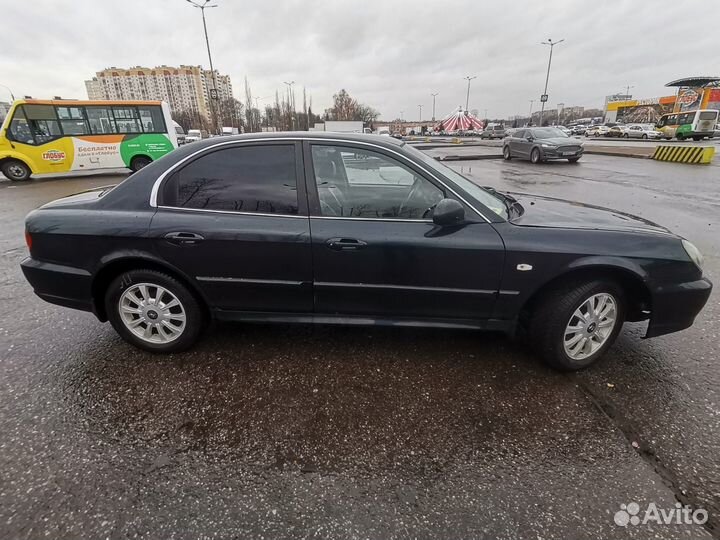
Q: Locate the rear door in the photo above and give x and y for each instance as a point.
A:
(234, 219)
(514, 142)
(376, 252)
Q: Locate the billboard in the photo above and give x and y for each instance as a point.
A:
(643, 113)
(688, 99)
(712, 100)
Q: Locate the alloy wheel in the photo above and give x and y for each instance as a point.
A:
(590, 326)
(152, 313)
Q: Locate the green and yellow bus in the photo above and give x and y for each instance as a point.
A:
(688, 125)
(63, 136)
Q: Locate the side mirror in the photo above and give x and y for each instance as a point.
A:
(530, 138)
(448, 212)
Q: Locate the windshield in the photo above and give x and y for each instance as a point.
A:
(493, 202)
(708, 115)
(547, 133)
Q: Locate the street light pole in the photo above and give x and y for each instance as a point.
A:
(291, 102)
(12, 96)
(214, 93)
(531, 105)
(433, 114)
(420, 107)
(467, 97)
(627, 91)
(547, 77)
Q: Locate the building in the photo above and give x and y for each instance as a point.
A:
(184, 88)
(4, 108)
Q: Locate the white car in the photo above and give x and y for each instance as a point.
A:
(597, 131)
(642, 131)
(565, 130)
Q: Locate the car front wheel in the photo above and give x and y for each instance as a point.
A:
(15, 170)
(573, 325)
(506, 153)
(535, 155)
(153, 311)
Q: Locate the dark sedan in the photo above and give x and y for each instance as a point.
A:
(353, 229)
(542, 144)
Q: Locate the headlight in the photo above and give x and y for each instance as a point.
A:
(693, 253)
(547, 145)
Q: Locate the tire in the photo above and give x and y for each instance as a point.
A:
(138, 162)
(626, 135)
(535, 156)
(697, 138)
(126, 291)
(15, 170)
(554, 313)
(680, 137)
(506, 153)
(645, 136)
(573, 159)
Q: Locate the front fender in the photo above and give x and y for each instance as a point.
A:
(9, 153)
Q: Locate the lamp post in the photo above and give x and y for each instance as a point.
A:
(420, 107)
(12, 96)
(531, 105)
(433, 114)
(467, 96)
(291, 102)
(213, 92)
(547, 77)
(627, 91)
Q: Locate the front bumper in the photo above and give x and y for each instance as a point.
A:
(553, 153)
(674, 307)
(58, 284)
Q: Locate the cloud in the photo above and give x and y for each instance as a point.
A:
(389, 54)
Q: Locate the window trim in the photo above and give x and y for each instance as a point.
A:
(314, 198)
(153, 200)
(300, 181)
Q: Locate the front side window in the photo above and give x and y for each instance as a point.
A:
(358, 183)
(43, 123)
(258, 179)
(20, 129)
(72, 120)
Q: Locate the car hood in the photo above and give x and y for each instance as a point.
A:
(560, 213)
(560, 141)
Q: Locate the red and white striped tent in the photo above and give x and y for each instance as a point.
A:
(459, 119)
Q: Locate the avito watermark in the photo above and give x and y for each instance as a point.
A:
(631, 514)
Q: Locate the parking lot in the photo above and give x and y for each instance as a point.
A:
(281, 431)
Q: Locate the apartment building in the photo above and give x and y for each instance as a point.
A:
(184, 88)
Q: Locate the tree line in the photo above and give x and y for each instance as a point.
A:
(282, 114)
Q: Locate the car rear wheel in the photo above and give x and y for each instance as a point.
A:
(574, 324)
(535, 155)
(153, 311)
(15, 170)
(139, 162)
(644, 136)
(506, 153)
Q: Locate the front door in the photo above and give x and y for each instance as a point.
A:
(376, 252)
(235, 220)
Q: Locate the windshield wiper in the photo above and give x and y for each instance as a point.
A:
(511, 203)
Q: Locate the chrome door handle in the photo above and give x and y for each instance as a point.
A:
(345, 244)
(183, 238)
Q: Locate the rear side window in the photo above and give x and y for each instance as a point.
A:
(258, 179)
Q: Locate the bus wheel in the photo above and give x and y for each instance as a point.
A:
(697, 138)
(680, 137)
(15, 170)
(139, 162)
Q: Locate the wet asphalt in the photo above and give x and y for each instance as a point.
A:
(334, 432)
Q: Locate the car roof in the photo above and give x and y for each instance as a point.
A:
(314, 135)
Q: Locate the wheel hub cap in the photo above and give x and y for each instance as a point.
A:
(152, 313)
(590, 326)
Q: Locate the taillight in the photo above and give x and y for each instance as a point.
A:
(28, 240)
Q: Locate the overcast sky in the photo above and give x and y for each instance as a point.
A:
(389, 54)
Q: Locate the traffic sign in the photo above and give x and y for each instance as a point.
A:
(213, 93)
(543, 98)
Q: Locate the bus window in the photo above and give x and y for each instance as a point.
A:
(686, 118)
(72, 120)
(43, 123)
(126, 119)
(100, 120)
(661, 122)
(151, 117)
(19, 128)
(708, 115)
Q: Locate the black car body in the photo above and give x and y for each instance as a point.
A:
(348, 229)
(542, 144)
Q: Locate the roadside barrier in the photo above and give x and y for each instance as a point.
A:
(684, 154)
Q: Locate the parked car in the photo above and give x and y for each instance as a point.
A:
(193, 135)
(642, 131)
(369, 231)
(565, 130)
(542, 144)
(580, 129)
(596, 131)
(493, 131)
(618, 130)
